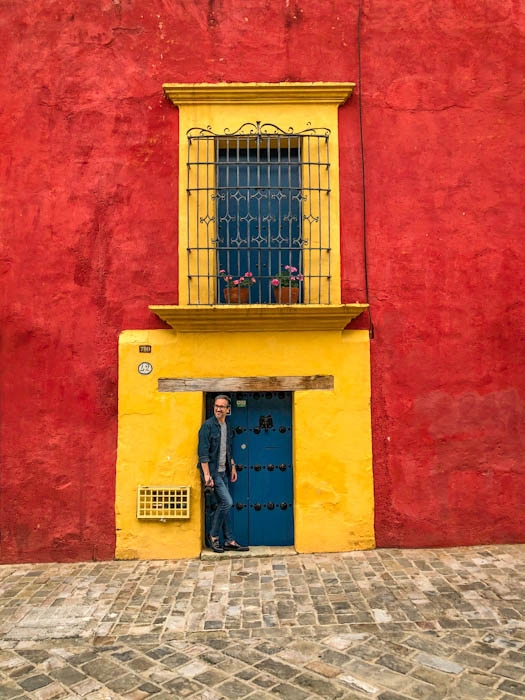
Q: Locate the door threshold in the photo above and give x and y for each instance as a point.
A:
(254, 552)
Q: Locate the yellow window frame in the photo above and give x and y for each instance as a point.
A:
(225, 107)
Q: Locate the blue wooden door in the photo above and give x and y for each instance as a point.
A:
(262, 449)
(259, 215)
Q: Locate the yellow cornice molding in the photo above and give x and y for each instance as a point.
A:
(258, 317)
(259, 93)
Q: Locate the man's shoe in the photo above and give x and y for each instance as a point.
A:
(235, 546)
(215, 545)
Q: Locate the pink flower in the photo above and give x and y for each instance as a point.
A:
(287, 267)
(241, 279)
(248, 274)
(293, 269)
(293, 279)
(253, 280)
(222, 272)
(235, 281)
(275, 283)
(300, 278)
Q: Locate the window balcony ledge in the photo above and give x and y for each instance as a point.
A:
(258, 317)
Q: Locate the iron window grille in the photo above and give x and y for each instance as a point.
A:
(258, 201)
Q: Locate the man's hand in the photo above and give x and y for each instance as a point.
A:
(234, 474)
(208, 481)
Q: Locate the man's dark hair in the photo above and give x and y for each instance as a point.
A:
(223, 396)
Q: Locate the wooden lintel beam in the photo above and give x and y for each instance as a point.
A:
(316, 382)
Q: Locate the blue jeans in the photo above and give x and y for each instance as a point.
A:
(221, 517)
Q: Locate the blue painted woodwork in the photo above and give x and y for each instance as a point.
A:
(259, 215)
(263, 495)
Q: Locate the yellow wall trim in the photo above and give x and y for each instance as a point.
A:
(259, 317)
(260, 93)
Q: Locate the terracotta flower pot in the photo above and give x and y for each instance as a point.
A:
(286, 295)
(236, 295)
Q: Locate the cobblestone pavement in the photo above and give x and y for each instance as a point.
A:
(386, 624)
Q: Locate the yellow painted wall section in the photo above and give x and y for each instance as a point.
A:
(157, 440)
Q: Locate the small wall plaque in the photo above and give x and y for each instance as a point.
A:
(144, 348)
(145, 368)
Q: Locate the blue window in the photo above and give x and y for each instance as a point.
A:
(259, 214)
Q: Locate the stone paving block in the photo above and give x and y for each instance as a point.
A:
(211, 677)
(67, 675)
(35, 656)
(182, 687)
(8, 692)
(515, 657)
(513, 687)
(264, 680)
(124, 683)
(336, 658)
(509, 671)
(313, 684)
(246, 674)
(234, 688)
(467, 658)
(425, 691)
(86, 687)
(276, 668)
(34, 682)
(288, 692)
(394, 663)
(437, 662)
(54, 690)
(141, 663)
(102, 669)
(358, 684)
(323, 669)
(149, 688)
(299, 652)
(194, 668)
(481, 678)
(377, 675)
(243, 653)
(465, 688)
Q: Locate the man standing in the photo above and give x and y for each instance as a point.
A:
(217, 466)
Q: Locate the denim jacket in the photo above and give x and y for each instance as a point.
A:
(210, 443)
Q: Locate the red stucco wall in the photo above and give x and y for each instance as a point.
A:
(89, 162)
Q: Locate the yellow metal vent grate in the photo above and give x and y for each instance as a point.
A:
(163, 502)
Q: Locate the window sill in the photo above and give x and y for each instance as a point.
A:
(258, 317)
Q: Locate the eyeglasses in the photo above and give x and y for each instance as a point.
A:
(221, 408)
